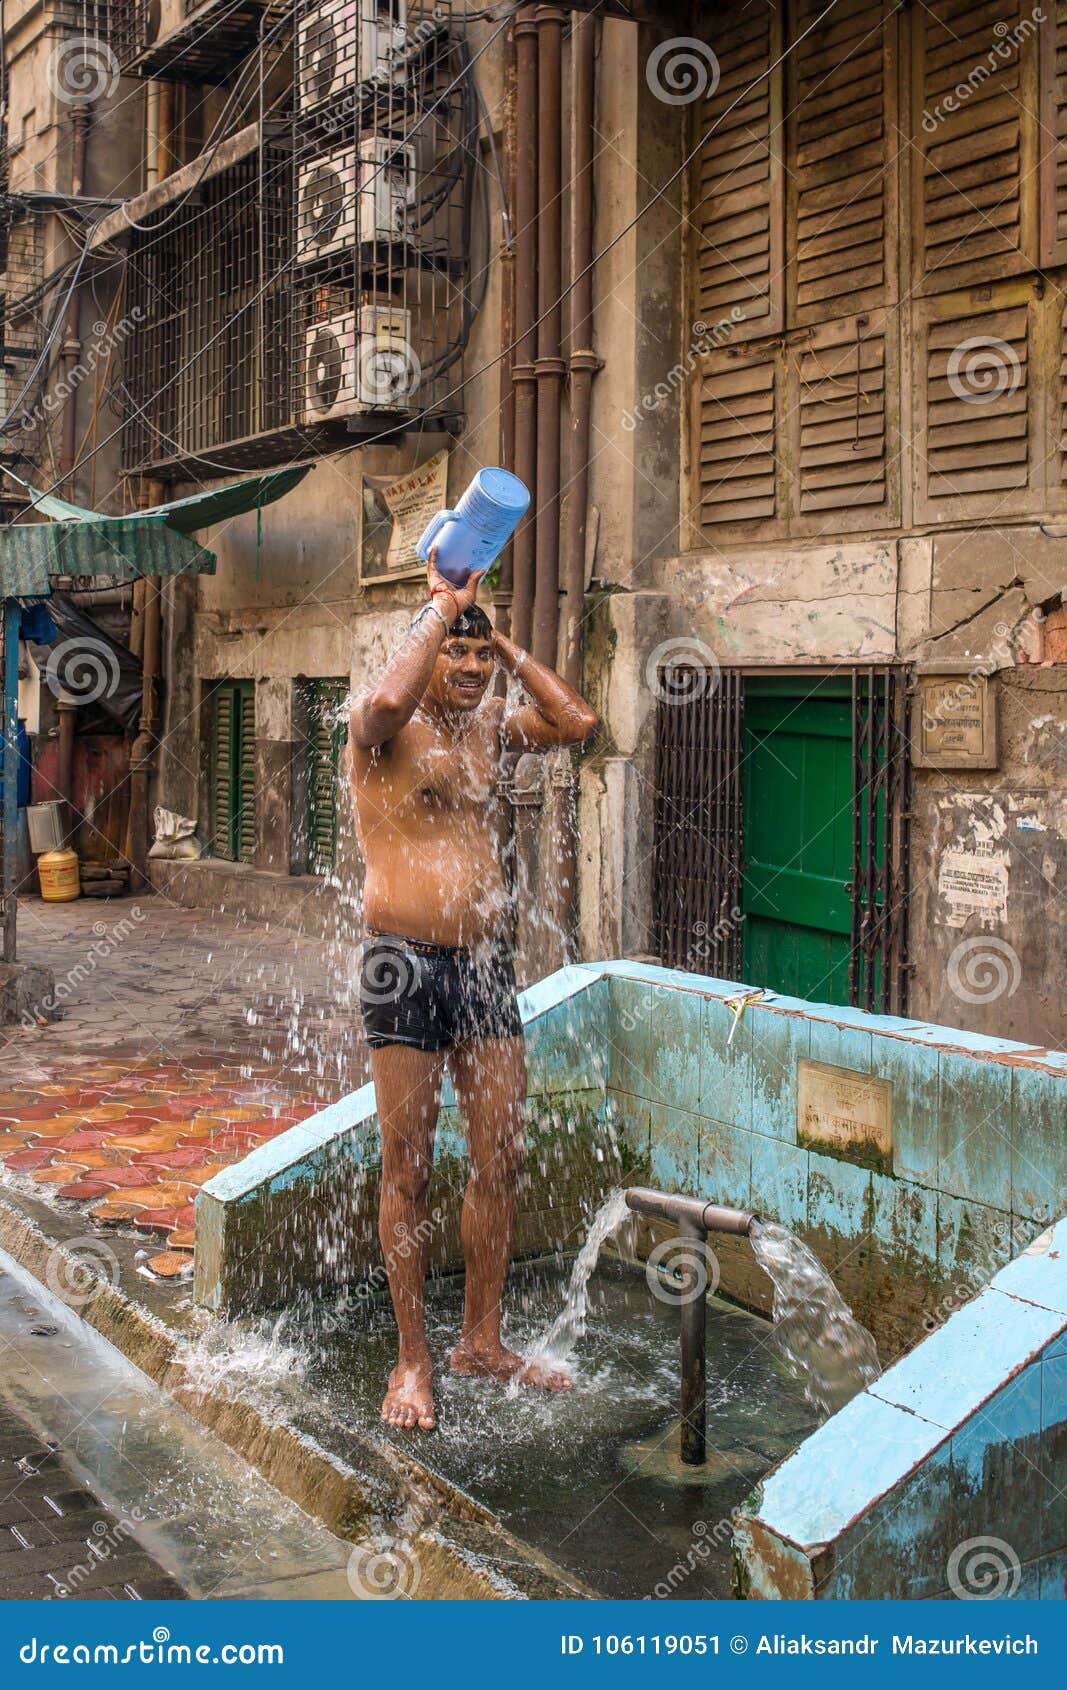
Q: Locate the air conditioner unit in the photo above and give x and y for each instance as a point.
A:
(345, 42)
(162, 18)
(354, 195)
(359, 361)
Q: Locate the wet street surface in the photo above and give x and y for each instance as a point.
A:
(57, 1540)
(108, 1488)
(186, 1039)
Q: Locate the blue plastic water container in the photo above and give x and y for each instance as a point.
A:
(472, 535)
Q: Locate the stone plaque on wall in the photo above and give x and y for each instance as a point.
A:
(845, 1113)
(954, 722)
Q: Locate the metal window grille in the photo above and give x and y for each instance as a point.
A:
(109, 30)
(387, 175)
(22, 324)
(881, 781)
(203, 316)
(323, 287)
(698, 822)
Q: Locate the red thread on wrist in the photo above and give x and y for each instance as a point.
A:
(440, 588)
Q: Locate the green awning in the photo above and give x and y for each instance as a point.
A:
(31, 553)
(217, 504)
(198, 510)
(152, 542)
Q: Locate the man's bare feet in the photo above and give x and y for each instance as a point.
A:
(409, 1399)
(481, 1362)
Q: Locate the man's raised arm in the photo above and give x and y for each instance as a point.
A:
(390, 703)
(557, 716)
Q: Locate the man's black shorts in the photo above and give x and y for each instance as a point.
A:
(433, 996)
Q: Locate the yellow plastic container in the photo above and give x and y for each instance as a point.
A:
(60, 876)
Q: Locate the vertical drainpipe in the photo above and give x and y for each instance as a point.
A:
(583, 363)
(9, 665)
(523, 374)
(505, 586)
(550, 366)
(159, 162)
(66, 713)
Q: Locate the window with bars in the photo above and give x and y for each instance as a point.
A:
(780, 843)
(321, 737)
(208, 364)
(233, 770)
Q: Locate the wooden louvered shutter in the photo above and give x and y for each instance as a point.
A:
(222, 785)
(245, 845)
(233, 771)
(841, 369)
(974, 90)
(1052, 140)
(842, 177)
(325, 737)
(737, 202)
(980, 436)
(841, 379)
(736, 467)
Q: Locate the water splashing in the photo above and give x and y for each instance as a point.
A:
(240, 1361)
(823, 1344)
(557, 1344)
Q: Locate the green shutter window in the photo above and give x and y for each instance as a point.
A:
(233, 770)
(326, 729)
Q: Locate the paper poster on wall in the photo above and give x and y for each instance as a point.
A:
(396, 509)
(974, 883)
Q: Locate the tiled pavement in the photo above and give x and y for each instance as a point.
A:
(56, 1539)
(187, 1038)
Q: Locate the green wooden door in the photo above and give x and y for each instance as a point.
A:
(798, 836)
(233, 770)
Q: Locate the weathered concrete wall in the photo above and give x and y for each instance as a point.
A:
(974, 602)
(1001, 967)
(975, 1165)
(944, 1478)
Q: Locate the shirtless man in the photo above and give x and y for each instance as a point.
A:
(437, 984)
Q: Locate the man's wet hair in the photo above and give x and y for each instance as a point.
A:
(474, 624)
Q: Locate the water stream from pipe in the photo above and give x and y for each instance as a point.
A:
(824, 1346)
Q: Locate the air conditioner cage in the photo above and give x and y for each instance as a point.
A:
(354, 196)
(345, 44)
(359, 361)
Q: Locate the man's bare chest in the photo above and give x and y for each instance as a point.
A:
(427, 769)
